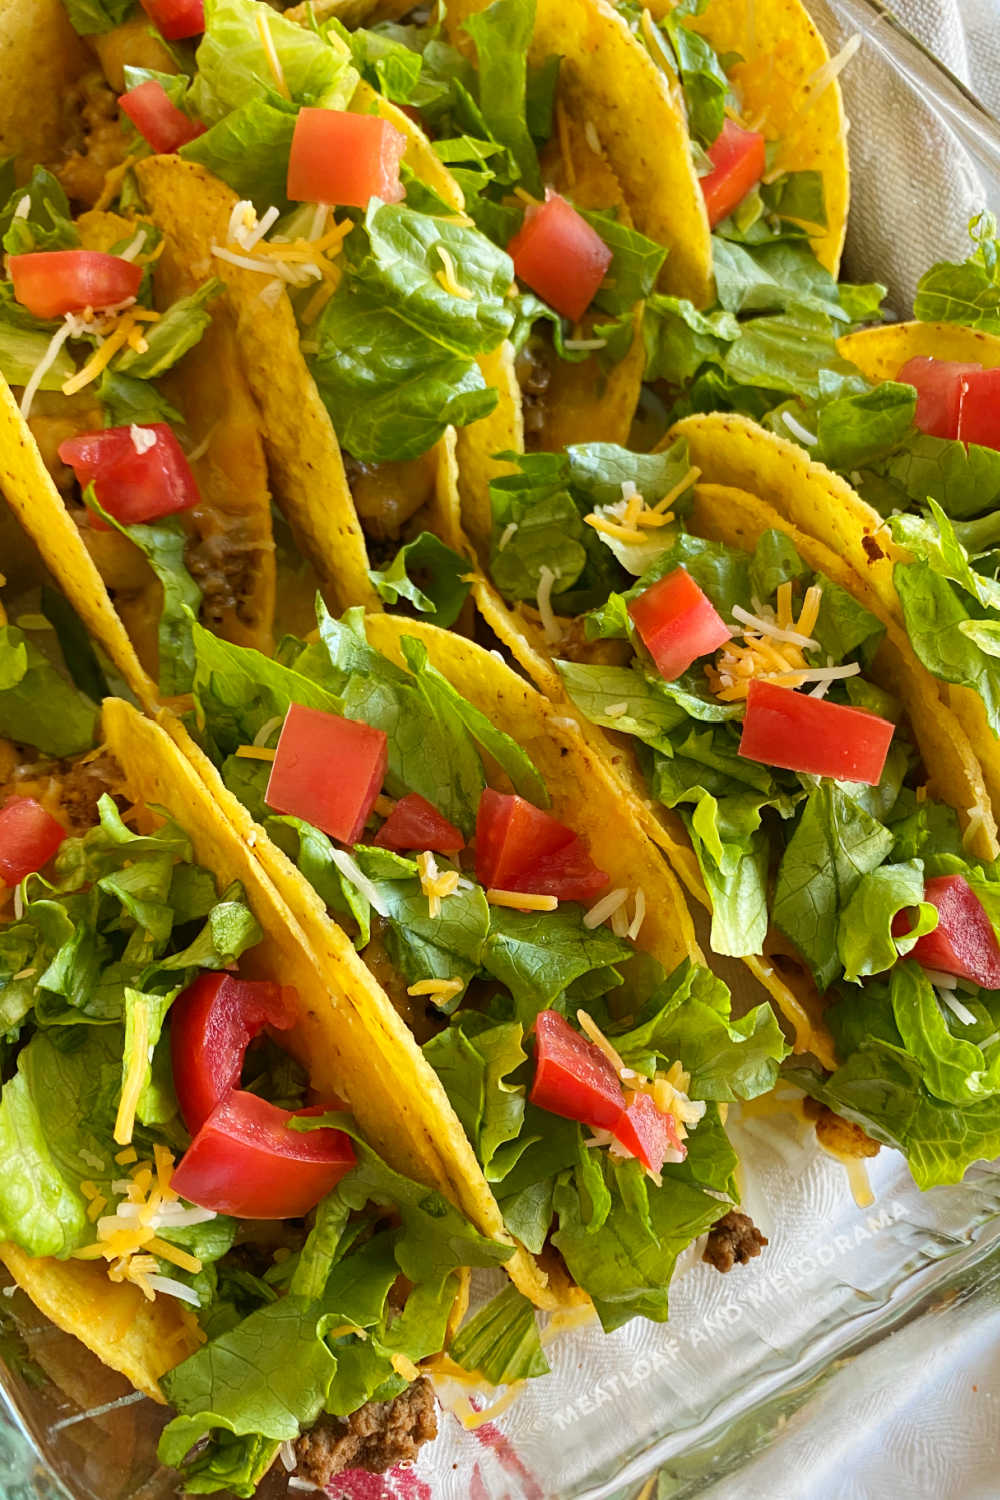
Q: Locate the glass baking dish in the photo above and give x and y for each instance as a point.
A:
(862, 1350)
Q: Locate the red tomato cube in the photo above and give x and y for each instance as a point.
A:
(328, 771)
(339, 157)
(521, 848)
(648, 1133)
(738, 160)
(247, 1161)
(559, 255)
(211, 1026)
(415, 823)
(176, 19)
(963, 942)
(938, 383)
(52, 282)
(157, 118)
(800, 733)
(573, 1078)
(677, 623)
(29, 837)
(979, 407)
(138, 473)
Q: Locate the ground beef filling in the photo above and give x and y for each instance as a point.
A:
(733, 1241)
(376, 1438)
(68, 789)
(534, 375)
(388, 495)
(98, 144)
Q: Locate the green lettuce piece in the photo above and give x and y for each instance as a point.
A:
(163, 546)
(93, 17)
(38, 706)
(240, 690)
(249, 148)
(61, 1101)
(539, 955)
(444, 700)
(169, 339)
(937, 623)
(234, 67)
(856, 428)
(390, 389)
(502, 34)
(635, 264)
(702, 77)
(438, 586)
(24, 342)
(679, 338)
(881, 1089)
(43, 223)
(963, 479)
(953, 1069)
(967, 292)
(126, 399)
(865, 943)
(473, 1059)
(650, 714)
(501, 1342)
(835, 843)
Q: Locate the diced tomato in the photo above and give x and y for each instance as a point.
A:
(738, 160)
(521, 848)
(648, 1133)
(559, 255)
(677, 622)
(134, 479)
(176, 19)
(327, 770)
(963, 942)
(29, 836)
(573, 1078)
(938, 383)
(52, 282)
(211, 1026)
(247, 1161)
(339, 157)
(800, 733)
(979, 408)
(415, 823)
(157, 118)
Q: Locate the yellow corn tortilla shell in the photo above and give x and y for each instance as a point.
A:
(134, 44)
(606, 78)
(194, 207)
(41, 58)
(502, 431)
(880, 353)
(786, 96)
(349, 1035)
(38, 505)
(732, 450)
(141, 1339)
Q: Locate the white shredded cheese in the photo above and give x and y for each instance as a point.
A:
(42, 368)
(638, 915)
(961, 1012)
(546, 578)
(505, 536)
(604, 908)
(287, 1455)
(134, 247)
(23, 208)
(798, 431)
(582, 345)
(350, 867)
(266, 730)
(592, 138)
(172, 1288)
(764, 626)
(18, 903)
(143, 438)
(820, 81)
(616, 710)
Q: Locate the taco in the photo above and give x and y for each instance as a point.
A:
(916, 572)
(492, 953)
(126, 373)
(157, 1200)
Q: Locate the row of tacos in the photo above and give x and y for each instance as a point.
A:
(514, 382)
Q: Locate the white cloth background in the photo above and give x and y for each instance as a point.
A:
(923, 159)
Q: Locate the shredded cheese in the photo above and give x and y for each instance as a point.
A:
(591, 137)
(255, 752)
(550, 627)
(273, 60)
(384, 805)
(603, 909)
(436, 884)
(404, 1366)
(772, 649)
(296, 262)
(438, 990)
(447, 277)
(798, 431)
(350, 867)
(521, 900)
(135, 1077)
(638, 915)
(471, 1419)
(509, 531)
(616, 710)
(42, 368)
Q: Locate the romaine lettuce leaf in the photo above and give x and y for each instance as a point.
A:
(38, 706)
(438, 585)
(501, 1342)
(234, 66)
(967, 292)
